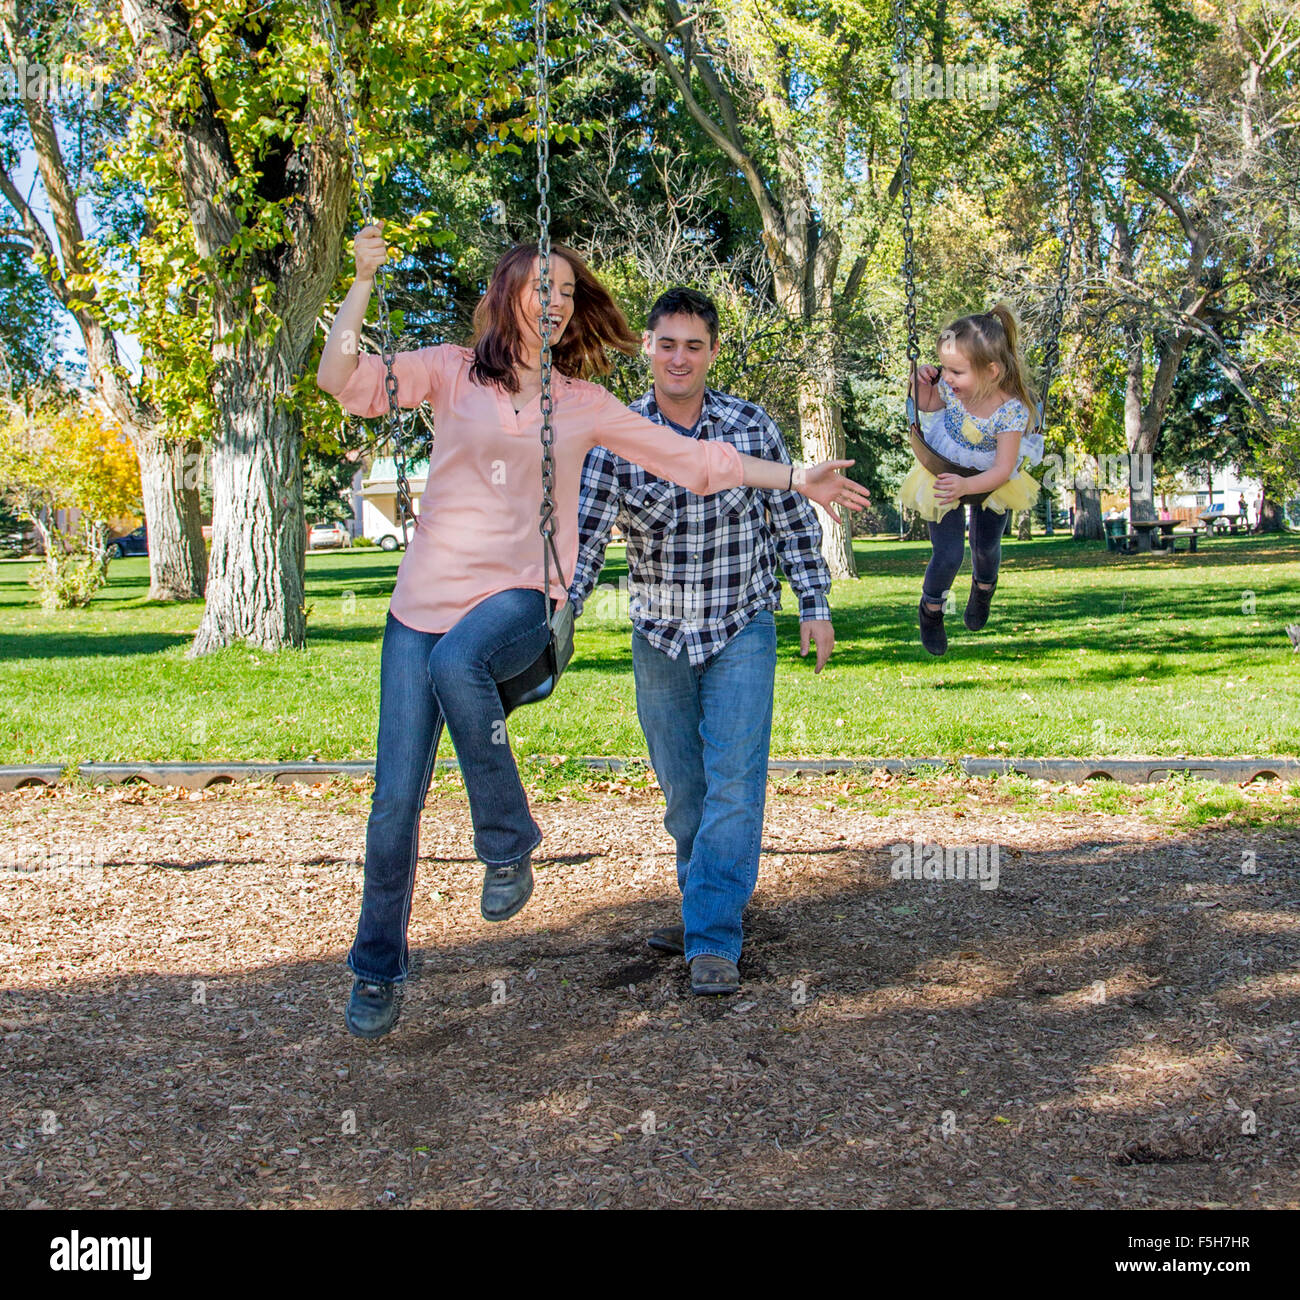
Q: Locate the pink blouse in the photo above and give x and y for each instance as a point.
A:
(477, 528)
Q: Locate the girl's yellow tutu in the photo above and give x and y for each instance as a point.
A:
(917, 493)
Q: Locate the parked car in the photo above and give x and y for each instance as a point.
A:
(328, 535)
(136, 543)
(385, 532)
(388, 539)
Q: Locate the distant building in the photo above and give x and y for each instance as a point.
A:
(374, 500)
(1221, 490)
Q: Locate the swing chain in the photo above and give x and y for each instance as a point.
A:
(547, 525)
(1051, 352)
(396, 432)
(905, 166)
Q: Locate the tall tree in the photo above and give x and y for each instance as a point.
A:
(1203, 212)
(238, 103)
(39, 44)
(800, 100)
(770, 86)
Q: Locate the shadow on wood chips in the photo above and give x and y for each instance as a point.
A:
(1113, 1024)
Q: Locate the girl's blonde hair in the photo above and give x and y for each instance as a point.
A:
(993, 338)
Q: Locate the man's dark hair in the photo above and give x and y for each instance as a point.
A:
(685, 302)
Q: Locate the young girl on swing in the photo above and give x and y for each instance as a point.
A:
(468, 610)
(975, 411)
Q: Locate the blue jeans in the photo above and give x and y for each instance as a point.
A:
(426, 679)
(709, 729)
(948, 543)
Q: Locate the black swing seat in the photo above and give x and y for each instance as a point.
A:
(538, 680)
(532, 685)
(937, 464)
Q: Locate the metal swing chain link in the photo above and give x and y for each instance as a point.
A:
(905, 164)
(396, 431)
(547, 523)
(1052, 350)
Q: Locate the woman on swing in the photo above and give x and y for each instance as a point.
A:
(468, 609)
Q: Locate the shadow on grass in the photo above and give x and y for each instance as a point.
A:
(40, 644)
(1111, 618)
(1113, 623)
(900, 558)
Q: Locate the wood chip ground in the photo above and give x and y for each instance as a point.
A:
(1113, 1025)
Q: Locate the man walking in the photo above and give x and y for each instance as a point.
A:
(703, 587)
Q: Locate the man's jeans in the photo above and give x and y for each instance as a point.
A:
(426, 678)
(709, 729)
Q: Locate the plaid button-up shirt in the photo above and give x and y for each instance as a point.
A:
(699, 568)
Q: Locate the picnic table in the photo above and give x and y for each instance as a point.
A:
(1144, 535)
(1166, 539)
(1212, 518)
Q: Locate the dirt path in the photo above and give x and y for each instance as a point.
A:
(1114, 1024)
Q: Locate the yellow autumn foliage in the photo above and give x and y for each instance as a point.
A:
(68, 457)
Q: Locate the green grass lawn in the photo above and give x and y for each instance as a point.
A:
(1086, 653)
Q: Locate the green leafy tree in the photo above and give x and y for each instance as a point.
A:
(28, 344)
(326, 483)
(232, 119)
(62, 113)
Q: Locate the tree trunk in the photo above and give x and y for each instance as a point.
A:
(1141, 498)
(95, 532)
(48, 536)
(1139, 431)
(823, 439)
(257, 565)
(1087, 513)
(1143, 414)
(178, 561)
(1270, 516)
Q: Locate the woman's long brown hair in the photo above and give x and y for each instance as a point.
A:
(597, 322)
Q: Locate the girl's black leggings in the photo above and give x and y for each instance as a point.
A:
(948, 539)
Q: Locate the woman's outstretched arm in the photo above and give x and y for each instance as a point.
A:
(821, 482)
(706, 466)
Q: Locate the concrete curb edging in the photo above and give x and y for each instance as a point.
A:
(1130, 771)
(12, 778)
